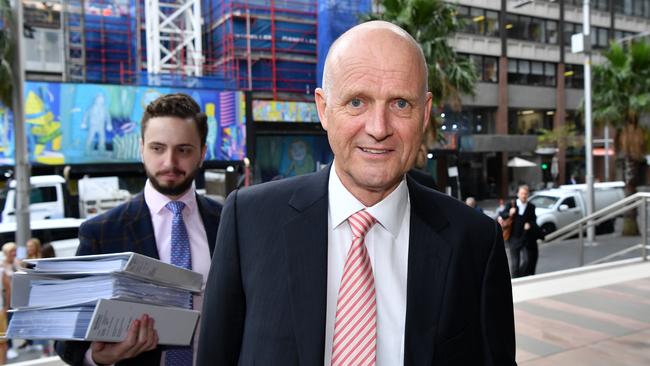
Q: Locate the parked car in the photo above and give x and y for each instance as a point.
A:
(557, 208)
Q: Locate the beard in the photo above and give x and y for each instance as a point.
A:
(172, 189)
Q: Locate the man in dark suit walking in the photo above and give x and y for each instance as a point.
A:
(522, 243)
(358, 264)
(173, 147)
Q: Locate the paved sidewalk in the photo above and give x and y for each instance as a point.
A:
(606, 325)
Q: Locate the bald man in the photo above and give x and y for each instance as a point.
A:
(358, 264)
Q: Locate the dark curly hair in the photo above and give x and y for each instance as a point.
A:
(176, 105)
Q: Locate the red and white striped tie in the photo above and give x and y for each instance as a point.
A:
(355, 330)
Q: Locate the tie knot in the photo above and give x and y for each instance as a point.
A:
(176, 207)
(360, 223)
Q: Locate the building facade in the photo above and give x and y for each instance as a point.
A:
(530, 82)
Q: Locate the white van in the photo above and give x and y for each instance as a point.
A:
(46, 197)
(556, 208)
(49, 198)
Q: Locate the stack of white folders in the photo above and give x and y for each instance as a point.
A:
(96, 298)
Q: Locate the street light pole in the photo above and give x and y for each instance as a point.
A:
(589, 161)
(20, 153)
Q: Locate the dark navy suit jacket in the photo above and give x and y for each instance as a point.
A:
(267, 286)
(128, 228)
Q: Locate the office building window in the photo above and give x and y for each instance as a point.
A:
(486, 67)
(529, 121)
(599, 35)
(602, 5)
(638, 8)
(574, 76)
(534, 73)
(479, 21)
(531, 29)
(619, 34)
(469, 120)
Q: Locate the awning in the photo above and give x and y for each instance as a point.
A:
(520, 163)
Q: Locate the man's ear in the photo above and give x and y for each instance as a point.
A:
(204, 150)
(321, 104)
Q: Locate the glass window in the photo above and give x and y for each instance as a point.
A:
(537, 32)
(513, 75)
(490, 67)
(603, 5)
(603, 37)
(569, 201)
(478, 20)
(512, 66)
(492, 23)
(537, 73)
(551, 31)
(42, 194)
(524, 67)
(574, 76)
(638, 8)
(549, 74)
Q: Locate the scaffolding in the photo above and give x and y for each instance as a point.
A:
(99, 41)
(263, 46)
(173, 31)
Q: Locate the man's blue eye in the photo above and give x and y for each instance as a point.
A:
(355, 102)
(401, 104)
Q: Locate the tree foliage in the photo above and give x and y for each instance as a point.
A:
(565, 135)
(621, 94)
(6, 53)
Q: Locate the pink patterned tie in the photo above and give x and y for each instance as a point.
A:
(355, 330)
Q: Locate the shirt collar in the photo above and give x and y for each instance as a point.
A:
(389, 212)
(157, 201)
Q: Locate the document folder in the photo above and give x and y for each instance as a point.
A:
(108, 321)
(128, 263)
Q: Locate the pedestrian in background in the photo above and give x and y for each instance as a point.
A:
(471, 202)
(522, 243)
(33, 248)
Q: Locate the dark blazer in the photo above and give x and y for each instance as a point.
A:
(128, 228)
(267, 284)
(520, 237)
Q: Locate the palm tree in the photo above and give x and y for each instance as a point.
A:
(621, 94)
(431, 23)
(6, 54)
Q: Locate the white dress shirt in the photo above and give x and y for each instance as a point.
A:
(161, 219)
(387, 243)
(521, 207)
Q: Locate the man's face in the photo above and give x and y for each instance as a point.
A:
(522, 194)
(172, 154)
(375, 112)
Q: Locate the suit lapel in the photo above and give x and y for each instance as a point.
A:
(140, 229)
(210, 218)
(306, 243)
(428, 261)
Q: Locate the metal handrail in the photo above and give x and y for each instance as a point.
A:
(634, 201)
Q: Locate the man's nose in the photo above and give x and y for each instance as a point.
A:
(378, 125)
(169, 158)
